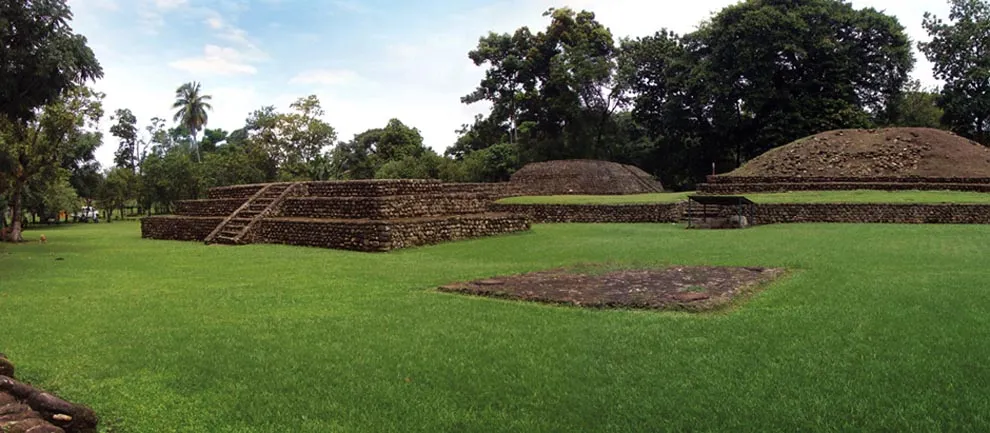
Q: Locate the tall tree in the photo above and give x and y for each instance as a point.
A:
(960, 52)
(54, 139)
(40, 56)
(126, 132)
(295, 141)
(917, 107)
(555, 90)
(762, 73)
(363, 156)
(192, 106)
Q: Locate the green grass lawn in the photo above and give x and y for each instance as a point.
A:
(858, 196)
(879, 328)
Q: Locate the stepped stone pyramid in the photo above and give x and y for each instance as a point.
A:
(362, 215)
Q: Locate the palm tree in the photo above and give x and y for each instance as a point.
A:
(192, 109)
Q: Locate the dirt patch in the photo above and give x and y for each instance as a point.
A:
(892, 152)
(693, 288)
(583, 176)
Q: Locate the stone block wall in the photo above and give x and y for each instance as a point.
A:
(583, 213)
(370, 188)
(406, 234)
(720, 179)
(377, 236)
(721, 184)
(210, 207)
(178, 228)
(496, 190)
(387, 207)
(26, 409)
(753, 188)
(872, 213)
(235, 191)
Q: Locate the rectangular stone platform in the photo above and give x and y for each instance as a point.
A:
(369, 215)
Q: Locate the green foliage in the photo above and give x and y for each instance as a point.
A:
(126, 132)
(211, 138)
(294, 142)
(554, 91)
(46, 196)
(369, 151)
(760, 74)
(40, 56)
(881, 323)
(192, 106)
(121, 185)
(167, 177)
(959, 53)
(917, 107)
(60, 137)
(492, 164)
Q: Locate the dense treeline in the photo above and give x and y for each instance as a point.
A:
(756, 75)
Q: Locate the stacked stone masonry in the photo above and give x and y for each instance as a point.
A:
(201, 208)
(366, 215)
(581, 213)
(388, 207)
(759, 184)
(26, 409)
(771, 213)
(178, 228)
(382, 235)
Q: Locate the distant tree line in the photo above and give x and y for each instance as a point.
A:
(756, 75)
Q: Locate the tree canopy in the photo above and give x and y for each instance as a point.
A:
(960, 52)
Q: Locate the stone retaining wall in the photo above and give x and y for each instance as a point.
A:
(583, 213)
(178, 228)
(768, 213)
(873, 213)
(26, 409)
(377, 236)
(388, 207)
(210, 207)
(495, 190)
(753, 188)
(235, 191)
(370, 188)
(720, 179)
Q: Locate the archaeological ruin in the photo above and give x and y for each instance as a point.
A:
(887, 159)
(582, 176)
(361, 215)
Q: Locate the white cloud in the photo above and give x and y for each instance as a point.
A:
(416, 73)
(170, 4)
(215, 23)
(216, 60)
(330, 77)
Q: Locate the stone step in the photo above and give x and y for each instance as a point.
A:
(221, 239)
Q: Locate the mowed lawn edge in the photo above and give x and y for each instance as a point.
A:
(880, 329)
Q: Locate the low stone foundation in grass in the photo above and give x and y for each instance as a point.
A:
(26, 409)
(691, 288)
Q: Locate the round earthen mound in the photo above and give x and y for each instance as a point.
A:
(890, 152)
(583, 176)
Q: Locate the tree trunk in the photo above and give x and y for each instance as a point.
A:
(15, 214)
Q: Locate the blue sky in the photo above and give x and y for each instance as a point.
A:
(367, 61)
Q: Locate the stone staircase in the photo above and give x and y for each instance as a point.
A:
(237, 226)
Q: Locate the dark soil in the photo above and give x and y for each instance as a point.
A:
(583, 176)
(694, 288)
(892, 152)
